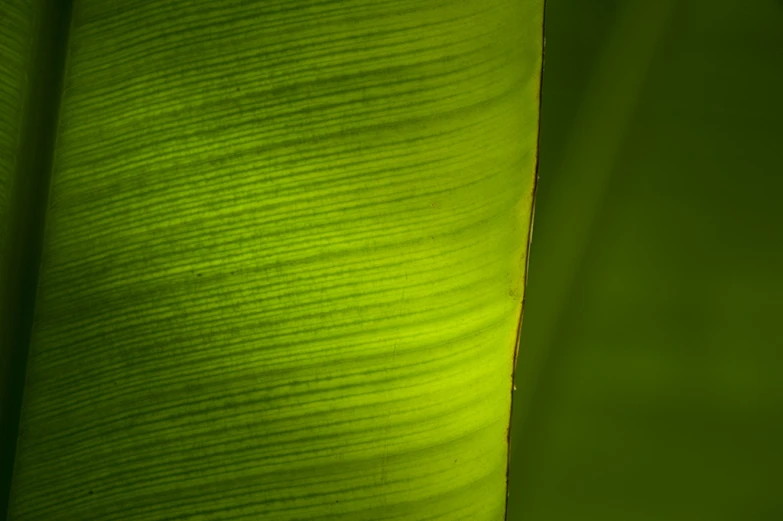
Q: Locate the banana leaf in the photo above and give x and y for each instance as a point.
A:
(266, 259)
(649, 376)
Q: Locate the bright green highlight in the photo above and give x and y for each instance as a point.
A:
(283, 263)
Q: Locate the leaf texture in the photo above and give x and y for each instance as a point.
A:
(283, 263)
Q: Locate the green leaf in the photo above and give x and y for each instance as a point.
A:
(657, 389)
(283, 262)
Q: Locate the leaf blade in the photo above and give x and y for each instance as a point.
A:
(298, 299)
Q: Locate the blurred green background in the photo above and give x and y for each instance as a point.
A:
(650, 382)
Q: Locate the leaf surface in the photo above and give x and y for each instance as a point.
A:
(283, 263)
